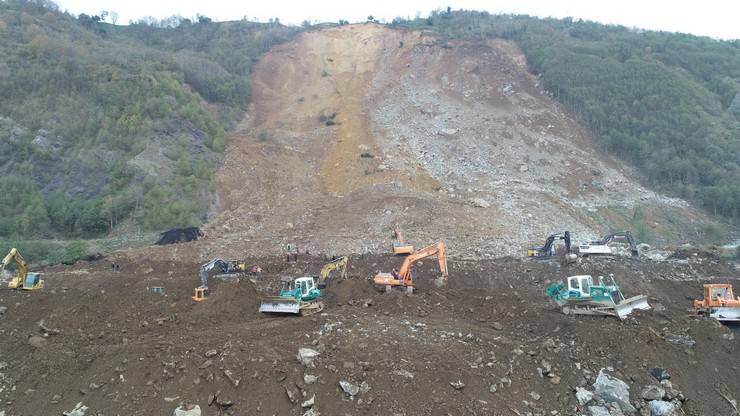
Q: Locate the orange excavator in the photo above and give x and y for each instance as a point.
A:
(405, 276)
(400, 246)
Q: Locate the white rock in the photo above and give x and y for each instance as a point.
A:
(309, 402)
(309, 379)
(598, 411)
(349, 388)
(480, 203)
(661, 408)
(306, 356)
(583, 396)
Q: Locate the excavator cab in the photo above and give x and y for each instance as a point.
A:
(201, 293)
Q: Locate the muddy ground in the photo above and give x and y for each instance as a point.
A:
(122, 350)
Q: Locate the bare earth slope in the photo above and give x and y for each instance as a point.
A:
(356, 129)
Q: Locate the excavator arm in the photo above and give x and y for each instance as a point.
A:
(14, 255)
(204, 269)
(435, 250)
(340, 263)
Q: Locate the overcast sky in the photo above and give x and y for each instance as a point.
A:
(715, 18)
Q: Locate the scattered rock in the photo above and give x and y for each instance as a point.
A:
(457, 385)
(653, 392)
(349, 388)
(661, 408)
(554, 379)
(536, 396)
(309, 403)
(681, 340)
(307, 356)
(497, 326)
(211, 353)
(81, 410)
(583, 396)
(3, 309)
(312, 412)
(659, 374)
(493, 388)
(612, 389)
(187, 410)
(309, 379)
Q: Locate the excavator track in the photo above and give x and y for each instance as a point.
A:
(311, 307)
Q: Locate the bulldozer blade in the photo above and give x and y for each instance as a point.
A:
(280, 305)
(725, 314)
(625, 307)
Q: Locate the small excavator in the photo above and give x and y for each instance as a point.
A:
(24, 280)
(400, 246)
(202, 292)
(328, 269)
(299, 297)
(548, 249)
(583, 297)
(406, 276)
(601, 247)
(719, 303)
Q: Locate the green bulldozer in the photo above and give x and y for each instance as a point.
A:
(582, 297)
(299, 296)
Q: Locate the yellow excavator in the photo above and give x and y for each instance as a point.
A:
(326, 271)
(405, 276)
(400, 246)
(24, 280)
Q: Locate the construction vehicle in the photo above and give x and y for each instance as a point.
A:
(400, 246)
(299, 296)
(406, 276)
(24, 280)
(548, 249)
(719, 303)
(583, 297)
(202, 292)
(601, 247)
(328, 269)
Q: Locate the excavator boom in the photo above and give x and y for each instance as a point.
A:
(326, 271)
(404, 277)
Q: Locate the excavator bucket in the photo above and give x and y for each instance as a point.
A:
(279, 304)
(625, 307)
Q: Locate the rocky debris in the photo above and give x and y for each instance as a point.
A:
(659, 374)
(349, 388)
(599, 411)
(312, 412)
(187, 410)
(457, 385)
(211, 353)
(81, 410)
(309, 379)
(613, 390)
(661, 408)
(306, 356)
(680, 340)
(653, 392)
(583, 396)
(404, 373)
(309, 403)
(3, 309)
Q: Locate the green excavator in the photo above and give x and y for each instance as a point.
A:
(583, 297)
(300, 297)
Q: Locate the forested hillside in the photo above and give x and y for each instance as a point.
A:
(102, 125)
(667, 103)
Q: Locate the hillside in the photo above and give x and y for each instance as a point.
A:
(105, 127)
(668, 103)
(354, 130)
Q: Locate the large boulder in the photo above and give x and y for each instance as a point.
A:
(653, 392)
(613, 390)
(662, 408)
